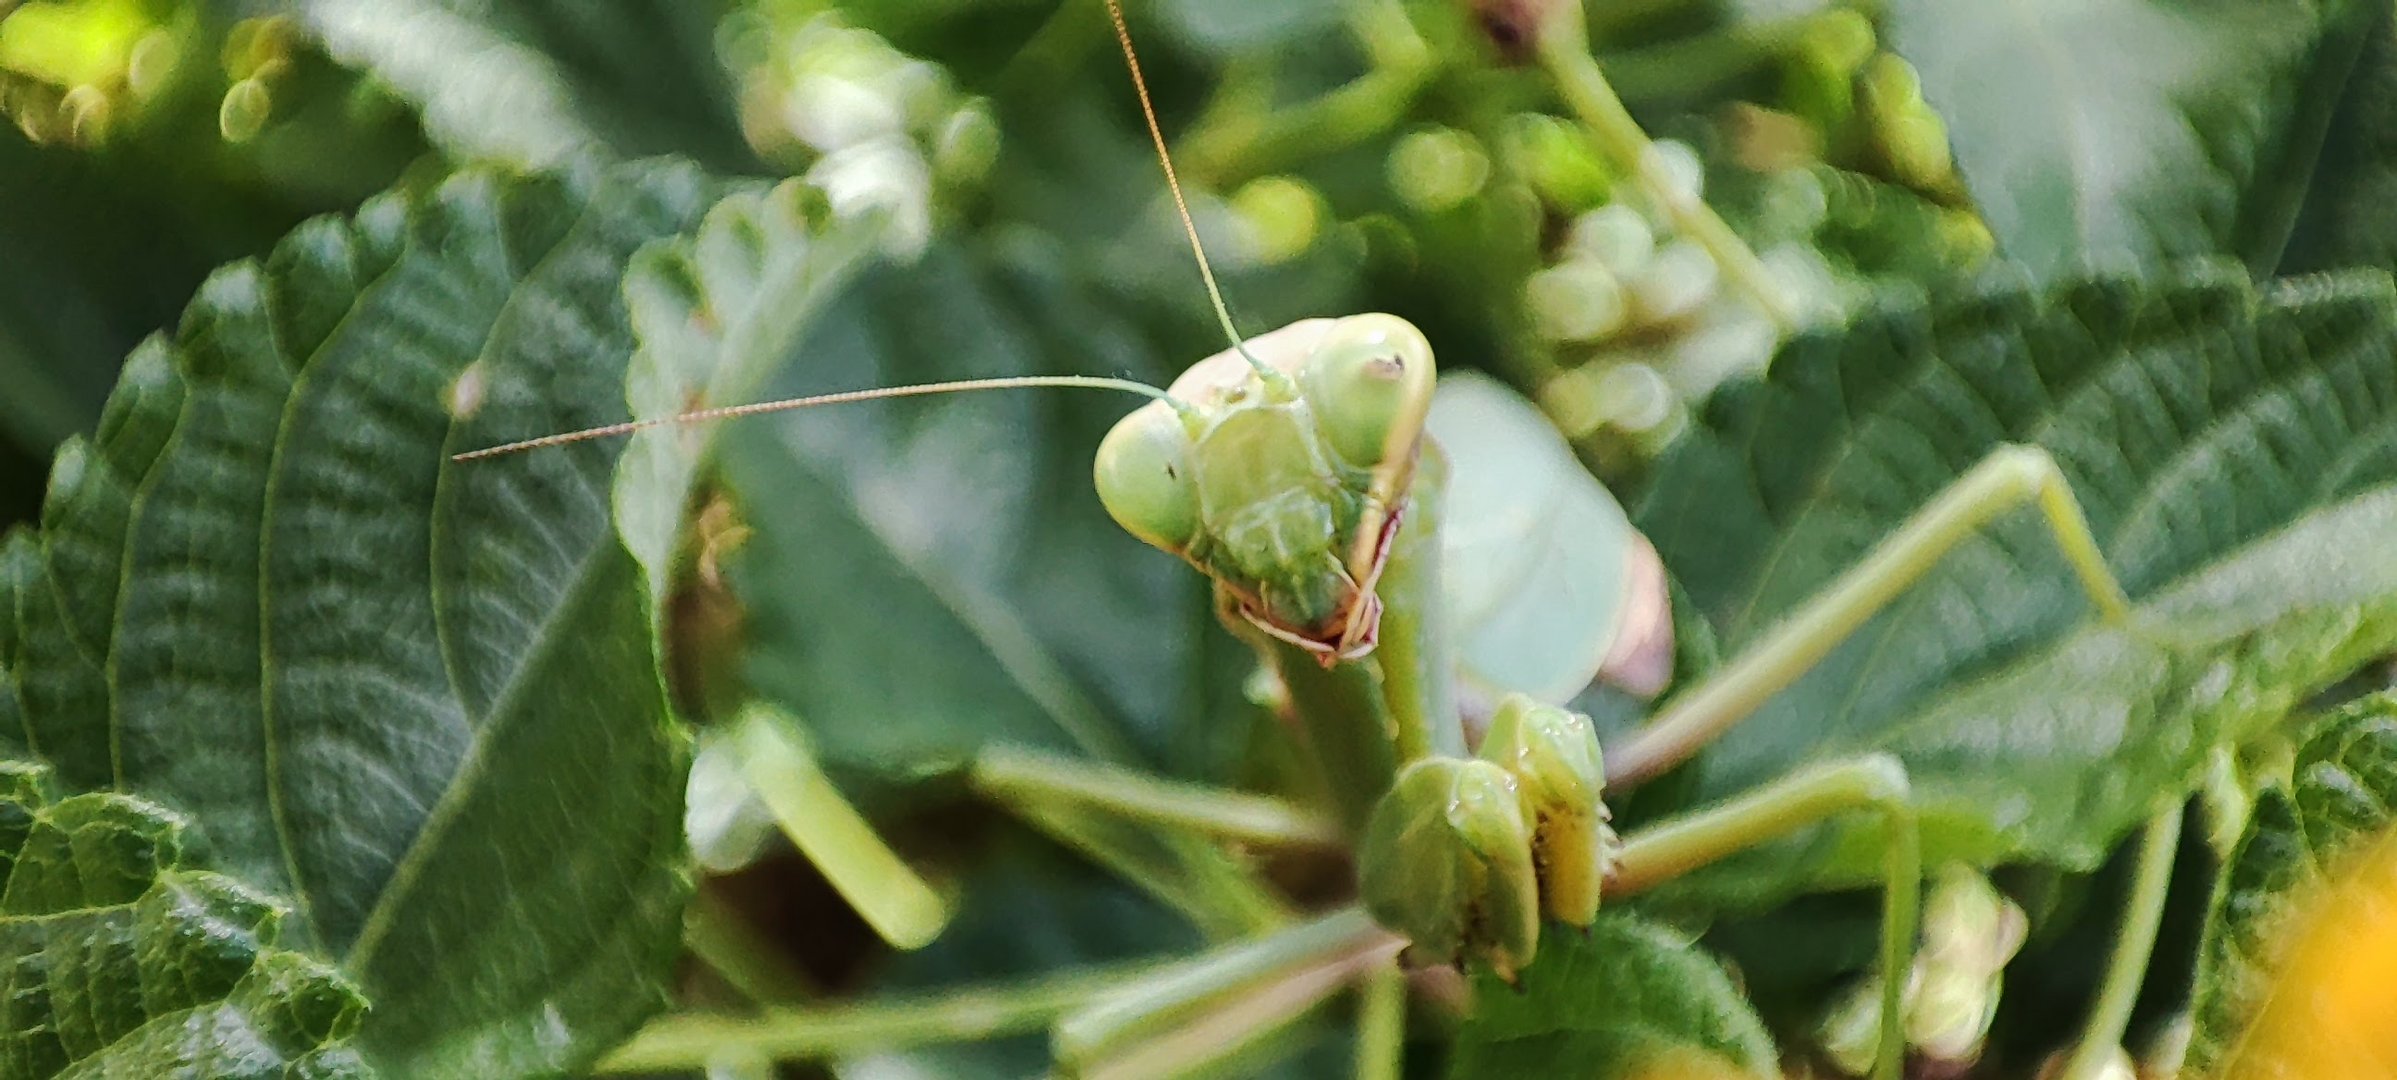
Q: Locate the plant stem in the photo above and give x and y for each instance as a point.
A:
(1688, 68)
(2009, 477)
(1054, 51)
(1016, 776)
(1382, 1023)
(741, 956)
(1221, 1033)
(1563, 50)
(1158, 1003)
(1202, 882)
(1242, 144)
(2126, 971)
(1239, 139)
(690, 1040)
(889, 895)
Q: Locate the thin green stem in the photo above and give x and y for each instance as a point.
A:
(1382, 1023)
(1901, 911)
(1054, 51)
(742, 957)
(1690, 67)
(691, 1040)
(898, 904)
(1018, 776)
(2003, 481)
(1563, 50)
(1164, 1002)
(2126, 970)
(1876, 782)
(1187, 874)
(1244, 136)
(1241, 144)
(1213, 1041)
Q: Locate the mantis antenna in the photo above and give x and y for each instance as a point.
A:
(1173, 183)
(727, 412)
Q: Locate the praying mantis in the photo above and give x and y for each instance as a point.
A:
(1296, 470)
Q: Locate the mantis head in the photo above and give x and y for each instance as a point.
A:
(1280, 470)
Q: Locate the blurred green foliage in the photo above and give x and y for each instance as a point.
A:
(915, 580)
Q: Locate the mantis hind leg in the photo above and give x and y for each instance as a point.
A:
(1874, 783)
(2006, 480)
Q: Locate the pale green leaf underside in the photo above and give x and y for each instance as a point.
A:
(417, 698)
(1608, 1002)
(2234, 454)
(538, 83)
(2133, 129)
(716, 314)
(2342, 797)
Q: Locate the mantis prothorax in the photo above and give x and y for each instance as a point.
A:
(1295, 471)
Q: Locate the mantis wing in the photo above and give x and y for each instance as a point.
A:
(1549, 585)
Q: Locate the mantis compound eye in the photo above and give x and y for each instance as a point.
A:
(1369, 384)
(1143, 475)
(1552, 755)
(1446, 860)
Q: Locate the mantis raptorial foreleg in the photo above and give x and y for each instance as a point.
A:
(2007, 479)
(1875, 783)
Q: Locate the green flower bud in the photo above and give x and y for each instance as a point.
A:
(1575, 301)
(243, 113)
(1969, 926)
(1558, 160)
(1616, 235)
(1283, 214)
(1948, 1012)
(967, 146)
(1437, 169)
(1678, 282)
(1850, 1033)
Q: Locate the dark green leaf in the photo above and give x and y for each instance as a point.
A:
(1623, 999)
(926, 575)
(2350, 212)
(2298, 849)
(125, 960)
(538, 83)
(2140, 129)
(418, 697)
(2233, 452)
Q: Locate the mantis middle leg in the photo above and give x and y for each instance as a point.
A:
(2008, 478)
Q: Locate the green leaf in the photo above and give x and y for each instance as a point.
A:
(716, 314)
(538, 83)
(418, 697)
(2138, 129)
(931, 574)
(125, 960)
(2232, 451)
(2299, 864)
(1623, 999)
(2350, 212)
